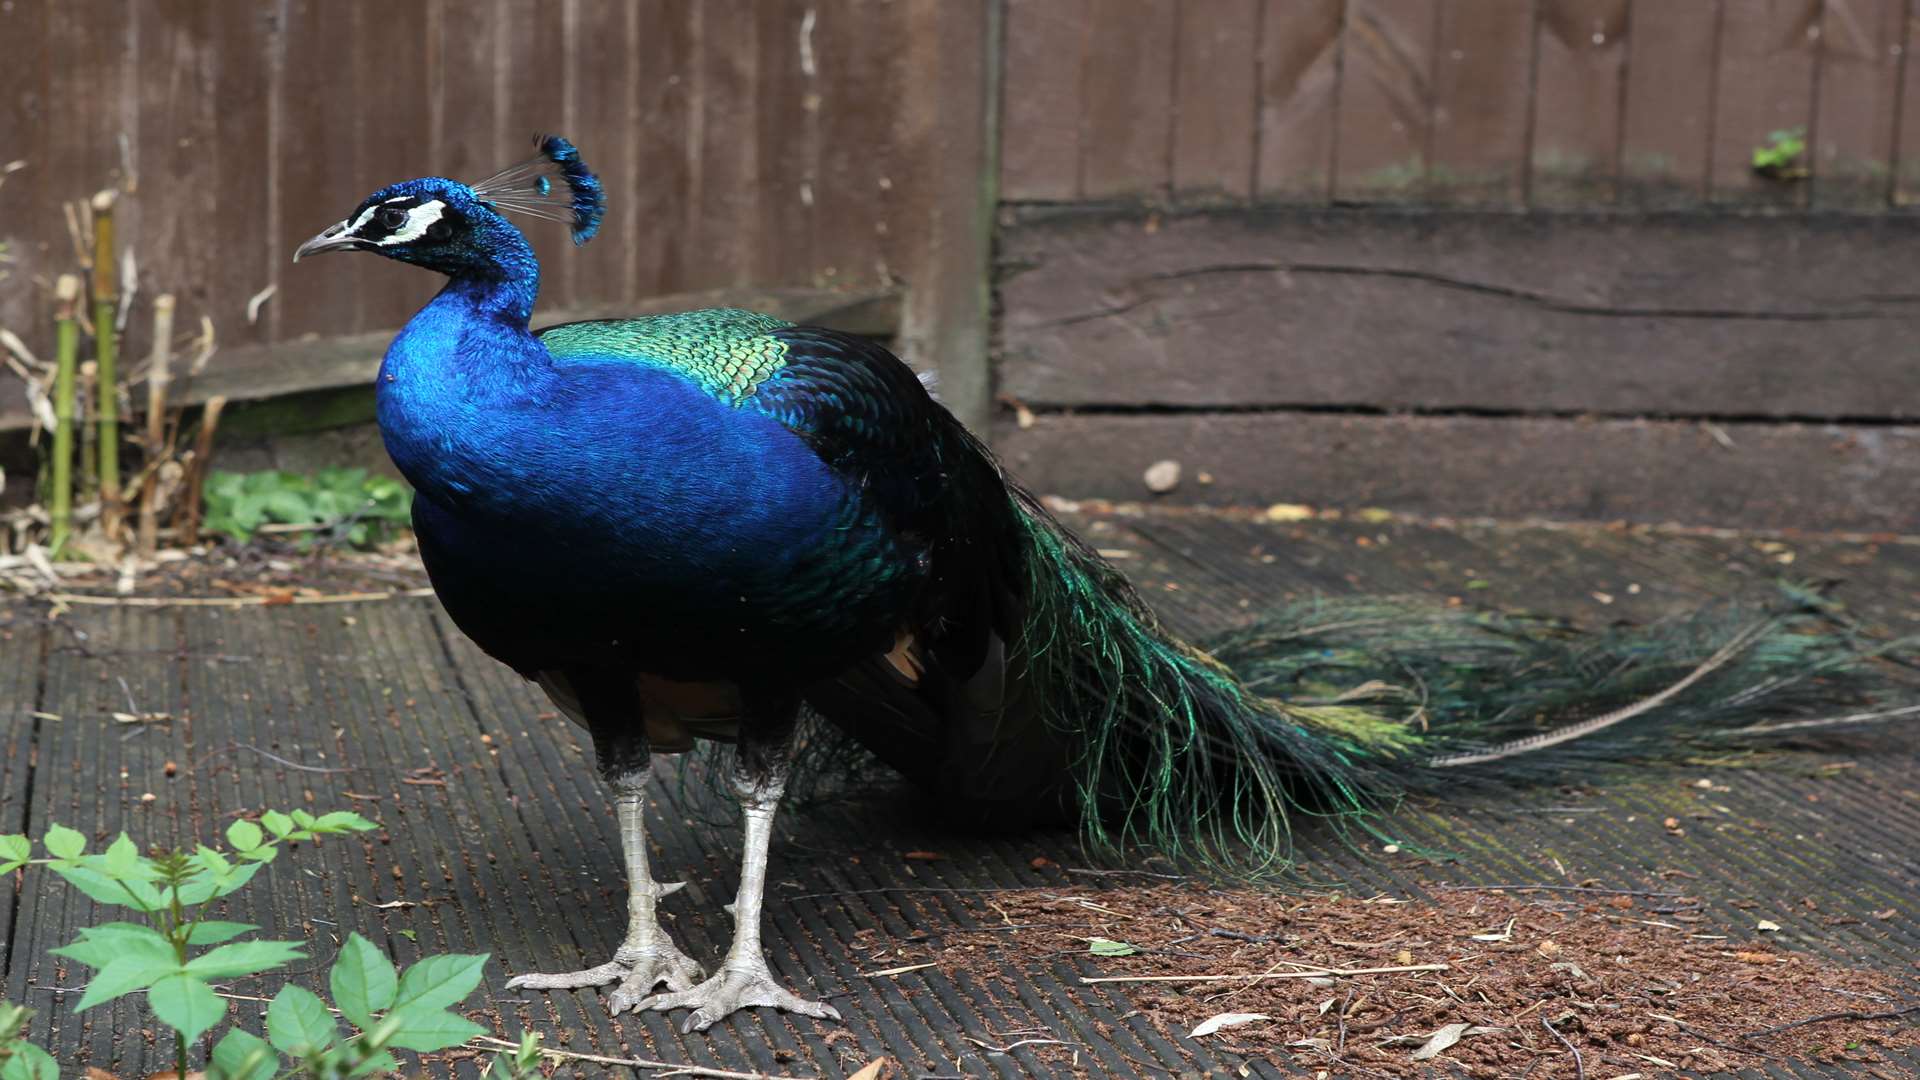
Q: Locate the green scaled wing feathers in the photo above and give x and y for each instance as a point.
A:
(728, 352)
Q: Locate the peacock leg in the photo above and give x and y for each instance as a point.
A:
(744, 981)
(648, 957)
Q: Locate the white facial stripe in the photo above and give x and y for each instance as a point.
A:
(395, 199)
(354, 225)
(418, 219)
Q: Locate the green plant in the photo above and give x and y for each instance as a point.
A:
(520, 1063)
(1779, 157)
(20, 1059)
(180, 951)
(352, 504)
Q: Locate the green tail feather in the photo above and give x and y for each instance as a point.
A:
(1335, 709)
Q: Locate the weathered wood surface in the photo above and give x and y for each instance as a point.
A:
(785, 144)
(1621, 315)
(1780, 476)
(1536, 103)
(496, 834)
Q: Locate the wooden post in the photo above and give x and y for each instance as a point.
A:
(952, 113)
(66, 359)
(106, 309)
(159, 374)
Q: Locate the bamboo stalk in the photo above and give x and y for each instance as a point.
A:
(188, 520)
(66, 293)
(106, 306)
(159, 375)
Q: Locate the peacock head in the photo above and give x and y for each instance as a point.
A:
(460, 229)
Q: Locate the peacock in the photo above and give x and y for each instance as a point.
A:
(720, 527)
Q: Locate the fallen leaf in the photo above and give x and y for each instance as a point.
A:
(1756, 958)
(1447, 1036)
(871, 1070)
(1766, 926)
(1503, 935)
(1108, 947)
(1224, 1020)
(1885, 915)
(1289, 512)
(923, 856)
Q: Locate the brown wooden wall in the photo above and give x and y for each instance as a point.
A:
(1506, 103)
(779, 143)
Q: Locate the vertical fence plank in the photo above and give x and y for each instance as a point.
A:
(248, 64)
(315, 142)
(1483, 89)
(1128, 105)
(1668, 118)
(1386, 100)
(1577, 97)
(722, 209)
(1214, 92)
(30, 228)
(601, 72)
(393, 106)
(1861, 47)
(658, 134)
(1906, 150)
(947, 124)
(1042, 99)
(1299, 74)
(167, 219)
(788, 135)
(1764, 84)
(530, 99)
(860, 76)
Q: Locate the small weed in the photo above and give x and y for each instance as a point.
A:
(1779, 158)
(348, 503)
(179, 952)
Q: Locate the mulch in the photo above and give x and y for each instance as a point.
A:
(1540, 984)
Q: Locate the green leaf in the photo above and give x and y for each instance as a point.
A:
(1104, 947)
(122, 859)
(15, 848)
(277, 823)
(64, 843)
(242, 1055)
(207, 886)
(362, 981)
(265, 853)
(125, 974)
(425, 1029)
(101, 945)
(381, 1062)
(244, 835)
(244, 958)
(29, 1062)
(186, 1004)
(298, 1021)
(343, 821)
(213, 932)
(438, 981)
(104, 890)
(214, 862)
(304, 819)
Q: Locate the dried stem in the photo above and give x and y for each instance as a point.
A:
(106, 304)
(159, 374)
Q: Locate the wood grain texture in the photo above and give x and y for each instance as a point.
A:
(1299, 69)
(1578, 96)
(1386, 99)
(1667, 122)
(860, 80)
(1217, 46)
(318, 181)
(1789, 476)
(1763, 84)
(1128, 109)
(391, 109)
(602, 86)
(29, 214)
(1861, 54)
(1482, 102)
(1042, 98)
(1667, 315)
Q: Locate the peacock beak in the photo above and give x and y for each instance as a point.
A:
(334, 238)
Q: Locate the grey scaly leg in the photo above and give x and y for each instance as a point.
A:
(648, 957)
(743, 980)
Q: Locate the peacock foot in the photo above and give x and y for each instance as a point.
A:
(640, 970)
(733, 989)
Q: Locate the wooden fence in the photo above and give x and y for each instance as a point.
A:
(1434, 240)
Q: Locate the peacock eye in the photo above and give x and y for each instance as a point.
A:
(439, 231)
(392, 218)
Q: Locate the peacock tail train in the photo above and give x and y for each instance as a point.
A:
(1335, 709)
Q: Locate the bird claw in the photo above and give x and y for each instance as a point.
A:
(639, 971)
(730, 991)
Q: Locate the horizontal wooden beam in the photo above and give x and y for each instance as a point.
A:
(1762, 475)
(1663, 314)
(261, 372)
